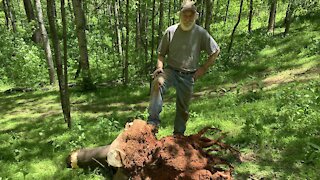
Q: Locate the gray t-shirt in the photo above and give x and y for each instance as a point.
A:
(183, 47)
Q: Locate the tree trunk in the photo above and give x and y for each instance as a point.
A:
(118, 30)
(174, 9)
(67, 114)
(52, 24)
(272, 15)
(146, 44)
(235, 27)
(169, 13)
(250, 16)
(5, 9)
(121, 27)
(227, 11)
(201, 11)
(89, 157)
(10, 12)
(288, 18)
(82, 43)
(160, 22)
(216, 11)
(29, 10)
(144, 37)
(208, 15)
(137, 27)
(36, 37)
(46, 43)
(126, 73)
(110, 13)
(70, 10)
(152, 36)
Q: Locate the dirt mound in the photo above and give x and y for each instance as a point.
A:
(172, 157)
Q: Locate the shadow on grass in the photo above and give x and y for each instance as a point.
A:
(259, 54)
(277, 126)
(9, 102)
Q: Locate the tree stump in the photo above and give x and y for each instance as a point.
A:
(141, 156)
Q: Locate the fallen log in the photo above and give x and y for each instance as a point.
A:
(88, 158)
(18, 89)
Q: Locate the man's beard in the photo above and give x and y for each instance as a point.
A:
(187, 27)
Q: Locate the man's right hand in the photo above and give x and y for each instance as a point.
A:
(200, 72)
(157, 72)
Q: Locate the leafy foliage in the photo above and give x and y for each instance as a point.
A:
(22, 63)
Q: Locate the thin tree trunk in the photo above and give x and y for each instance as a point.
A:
(46, 43)
(126, 67)
(208, 15)
(146, 44)
(152, 36)
(250, 16)
(216, 11)
(144, 37)
(67, 114)
(11, 14)
(52, 24)
(118, 30)
(82, 43)
(138, 24)
(139, 35)
(227, 11)
(114, 34)
(288, 18)
(84, 6)
(29, 10)
(160, 22)
(36, 37)
(5, 9)
(70, 10)
(174, 9)
(121, 26)
(77, 74)
(202, 11)
(272, 16)
(169, 13)
(235, 27)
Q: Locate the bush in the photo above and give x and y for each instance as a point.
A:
(21, 64)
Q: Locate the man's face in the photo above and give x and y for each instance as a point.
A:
(188, 17)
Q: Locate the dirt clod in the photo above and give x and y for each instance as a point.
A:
(173, 157)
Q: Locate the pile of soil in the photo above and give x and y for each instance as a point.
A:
(172, 157)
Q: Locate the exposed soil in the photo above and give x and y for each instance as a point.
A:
(172, 157)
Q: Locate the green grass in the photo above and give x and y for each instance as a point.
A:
(267, 100)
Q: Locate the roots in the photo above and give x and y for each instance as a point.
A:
(173, 157)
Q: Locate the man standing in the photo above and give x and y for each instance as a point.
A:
(182, 43)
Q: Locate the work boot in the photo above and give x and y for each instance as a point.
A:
(178, 134)
(154, 127)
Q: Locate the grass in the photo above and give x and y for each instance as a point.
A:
(268, 100)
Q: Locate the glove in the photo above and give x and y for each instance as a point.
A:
(157, 72)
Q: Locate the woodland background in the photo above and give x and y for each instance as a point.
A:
(93, 60)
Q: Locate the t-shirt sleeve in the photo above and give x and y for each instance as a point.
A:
(164, 44)
(209, 44)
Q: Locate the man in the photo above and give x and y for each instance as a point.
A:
(182, 43)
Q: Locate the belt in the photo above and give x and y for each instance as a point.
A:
(182, 72)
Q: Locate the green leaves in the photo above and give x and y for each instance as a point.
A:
(21, 64)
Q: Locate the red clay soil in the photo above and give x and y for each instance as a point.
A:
(172, 157)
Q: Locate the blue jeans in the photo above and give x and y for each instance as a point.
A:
(183, 83)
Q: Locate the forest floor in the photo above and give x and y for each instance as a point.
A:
(268, 103)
